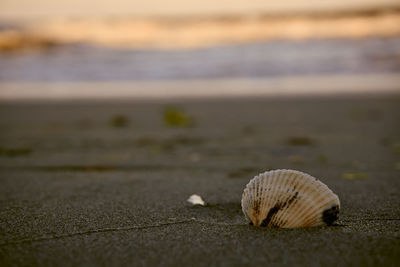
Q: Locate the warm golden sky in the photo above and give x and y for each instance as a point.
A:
(46, 8)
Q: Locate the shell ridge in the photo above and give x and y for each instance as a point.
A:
(314, 206)
(297, 190)
(299, 185)
(308, 203)
(277, 211)
(265, 196)
(286, 203)
(255, 202)
(291, 188)
(269, 179)
(286, 192)
(277, 208)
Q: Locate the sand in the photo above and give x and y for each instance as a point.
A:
(105, 183)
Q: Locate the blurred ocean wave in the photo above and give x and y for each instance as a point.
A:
(254, 60)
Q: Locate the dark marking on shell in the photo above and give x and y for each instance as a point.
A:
(290, 201)
(271, 214)
(285, 205)
(256, 207)
(274, 210)
(274, 225)
(329, 216)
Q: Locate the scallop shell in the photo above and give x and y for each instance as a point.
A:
(289, 199)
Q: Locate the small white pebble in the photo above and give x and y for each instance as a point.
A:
(196, 200)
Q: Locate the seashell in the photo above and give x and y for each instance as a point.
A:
(289, 199)
(196, 200)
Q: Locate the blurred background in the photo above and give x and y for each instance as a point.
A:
(101, 49)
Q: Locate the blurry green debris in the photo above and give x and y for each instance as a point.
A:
(15, 152)
(243, 172)
(176, 117)
(396, 148)
(161, 147)
(119, 121)
(145, 141)
(300, 141)
(385, 141)
(388, 142)
(322, 159)
(354, 175)
(296, 159)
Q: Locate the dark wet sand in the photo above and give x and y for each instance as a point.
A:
(100, 183)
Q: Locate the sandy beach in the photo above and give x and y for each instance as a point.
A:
(106, 183)
(302, 86)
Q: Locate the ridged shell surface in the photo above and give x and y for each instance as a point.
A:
(289, 199)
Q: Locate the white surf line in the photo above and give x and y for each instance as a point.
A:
(283, 86)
